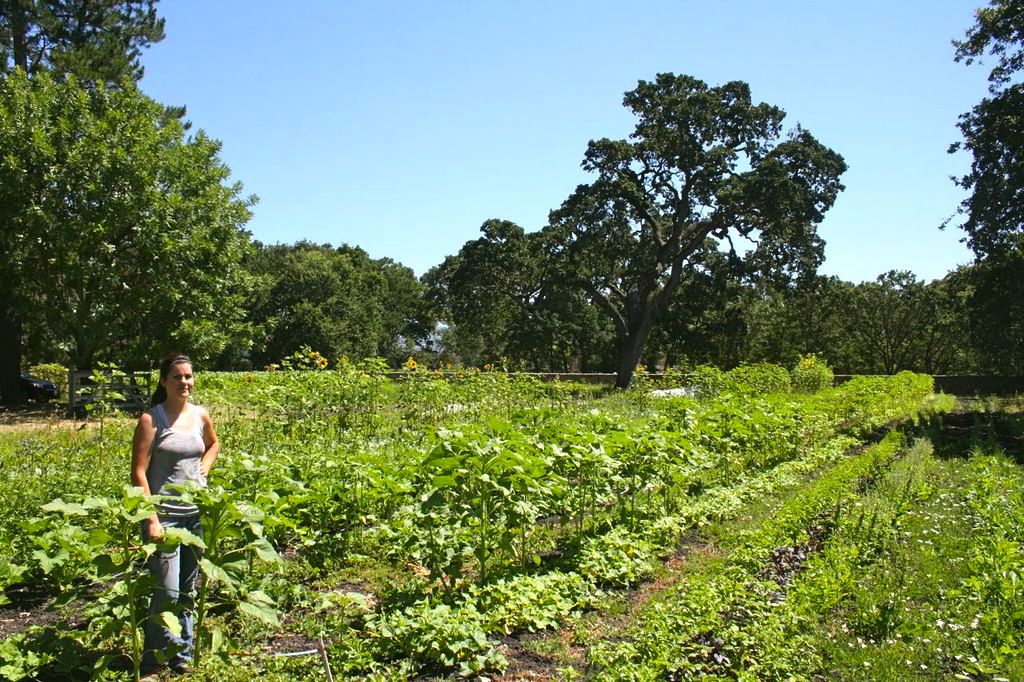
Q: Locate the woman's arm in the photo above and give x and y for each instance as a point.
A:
(211, 442)
(142, 444)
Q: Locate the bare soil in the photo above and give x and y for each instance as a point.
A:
(27, 608)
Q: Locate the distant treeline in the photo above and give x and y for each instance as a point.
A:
(482, 307)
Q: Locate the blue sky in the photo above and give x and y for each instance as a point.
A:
(400, 127)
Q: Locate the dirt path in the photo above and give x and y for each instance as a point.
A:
(50, 416)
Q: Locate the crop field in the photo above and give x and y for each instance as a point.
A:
(487, 525)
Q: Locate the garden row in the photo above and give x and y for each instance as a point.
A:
(886, 567)
(449, 529)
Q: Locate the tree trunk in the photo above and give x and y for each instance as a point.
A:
(10, 353)
(19, 33)
(641, 309)
(631, 349)
(84, 353)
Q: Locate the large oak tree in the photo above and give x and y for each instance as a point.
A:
(993, 213)
(703, 162)
(500, 298)
(900, 323)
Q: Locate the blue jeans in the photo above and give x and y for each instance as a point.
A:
(175, 569)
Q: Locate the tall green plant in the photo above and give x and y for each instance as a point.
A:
(233, 538)
(810, 374)
(488, 484)
(95, 542)
(103, 396)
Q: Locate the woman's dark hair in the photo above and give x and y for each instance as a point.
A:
(160, 394)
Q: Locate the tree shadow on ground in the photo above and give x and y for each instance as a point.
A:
(988, 424)
(33, 413)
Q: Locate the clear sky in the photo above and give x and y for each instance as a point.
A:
(402, 126)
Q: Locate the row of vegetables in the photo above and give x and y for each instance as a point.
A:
(506, 513)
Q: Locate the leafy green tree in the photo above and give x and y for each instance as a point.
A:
(702, 162)
(338, 301)
(946, 348)
(993, 294)
(810, 317)
(485, 292)
(570, 333)
(707, 316)
(405, 313)
(122, 237)
(98, 41)
(500, 298)
(994, 132)
(900, 323)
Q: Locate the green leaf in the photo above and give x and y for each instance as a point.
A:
(106, 566)
(183, 537)
(92, 503)
(443, 463)
(103, 662)
(260, 611)
(215, 573)
(236, 569)
(99, 538)
(47, 562)
(264, 550)
(259, 597)
(67, 508)
(171, 622)
(217, 639)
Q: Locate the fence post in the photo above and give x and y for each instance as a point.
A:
(323, 657)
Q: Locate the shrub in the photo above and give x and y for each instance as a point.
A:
(436, 635)
(708, 380)
(677, 377)
(617, 558)
(54, 372)
(811, 375)
(762, 378)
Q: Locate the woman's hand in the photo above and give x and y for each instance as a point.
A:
(154, 529)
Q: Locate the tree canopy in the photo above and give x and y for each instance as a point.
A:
(993, 133)
(695, 241)
(122, 237)
(702, 162)
(338, 301)
(993, 310)
(95, 40)
(500, 297)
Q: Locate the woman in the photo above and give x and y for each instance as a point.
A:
(174, 443)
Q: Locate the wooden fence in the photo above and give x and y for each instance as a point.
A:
(124, 390)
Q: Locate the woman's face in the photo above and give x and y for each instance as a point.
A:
(179, 380)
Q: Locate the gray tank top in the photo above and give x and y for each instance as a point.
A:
(174, 459)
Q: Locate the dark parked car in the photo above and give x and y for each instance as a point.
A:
(38, 390)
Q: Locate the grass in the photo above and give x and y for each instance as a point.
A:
(914, 613)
